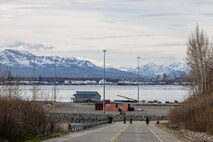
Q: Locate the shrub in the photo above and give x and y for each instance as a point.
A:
(20, 118)
(195, 114)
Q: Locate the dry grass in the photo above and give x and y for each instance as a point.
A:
(165, 126)
(195, 114)
(22, 120)
(19, 118)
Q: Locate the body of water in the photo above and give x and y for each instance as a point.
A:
(147, 92)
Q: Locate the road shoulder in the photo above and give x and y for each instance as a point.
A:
(164, 126)
(71, 135)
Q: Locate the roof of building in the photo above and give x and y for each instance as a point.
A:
(87, 93)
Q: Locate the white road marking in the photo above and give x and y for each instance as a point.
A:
(115, 137)
(155, 135)
(83, 133)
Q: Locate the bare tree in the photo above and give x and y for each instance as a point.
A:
(200, 61)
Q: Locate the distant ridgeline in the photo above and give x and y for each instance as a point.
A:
(21, 63)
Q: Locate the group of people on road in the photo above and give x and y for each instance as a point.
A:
(130, 120)
(124, 120)
(110, 118)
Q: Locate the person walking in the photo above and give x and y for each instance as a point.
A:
(69, 127)
(130, 120)
(124, 119)
(147, 120)
(111, 119)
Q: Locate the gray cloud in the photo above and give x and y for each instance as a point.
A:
(114, 37)
(179, 25)
(210, 14)
(168, 44)
(163, 14)
(136, 46)
(25, 45)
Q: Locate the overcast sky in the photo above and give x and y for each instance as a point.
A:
(155, 30)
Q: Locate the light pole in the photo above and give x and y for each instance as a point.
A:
(54, 96)
(10, 80)
(34, 94)
(104, 85)
(138, 77)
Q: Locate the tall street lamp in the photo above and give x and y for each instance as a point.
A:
(104, 85)
(34, 94)
(138, 77)
(54, 96)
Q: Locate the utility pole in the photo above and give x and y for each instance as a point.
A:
(138, 79)
(55, 84)
(34, 95)
(10, 80)
(0, 74)
(104, 85)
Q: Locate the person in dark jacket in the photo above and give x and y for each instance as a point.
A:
(111, 119)
(130, 120)
(124, 118)
(147, 120)
(69, 127)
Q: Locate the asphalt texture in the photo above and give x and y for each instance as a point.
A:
(119, 132)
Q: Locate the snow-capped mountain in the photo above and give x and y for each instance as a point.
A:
(22, 64)
(26, 59)
(151, 70)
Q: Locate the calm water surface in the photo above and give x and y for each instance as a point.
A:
(148, 92)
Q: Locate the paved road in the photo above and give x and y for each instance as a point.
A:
(118, 132)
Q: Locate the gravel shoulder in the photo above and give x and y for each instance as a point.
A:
(180, 135)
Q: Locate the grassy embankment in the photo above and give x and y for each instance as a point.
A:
(195, 114)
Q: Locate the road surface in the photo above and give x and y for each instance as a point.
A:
(119, 132)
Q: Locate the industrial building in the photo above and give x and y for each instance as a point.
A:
(86, 96)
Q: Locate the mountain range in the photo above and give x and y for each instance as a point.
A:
(151, 70)
(22, 63)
